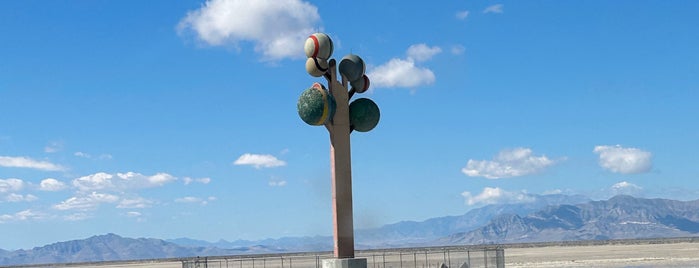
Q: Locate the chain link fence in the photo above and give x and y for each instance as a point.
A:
(440, 258)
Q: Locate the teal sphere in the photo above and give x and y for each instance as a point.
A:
(364, 114)
(316, 106)
(352, 67)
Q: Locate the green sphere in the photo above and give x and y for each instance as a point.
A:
(364, 114)
(316, 106)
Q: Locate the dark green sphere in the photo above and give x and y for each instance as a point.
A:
(364, 114)
(316, 106)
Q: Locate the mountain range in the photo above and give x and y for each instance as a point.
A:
(546, 218)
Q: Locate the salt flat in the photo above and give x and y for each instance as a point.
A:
(640, 255)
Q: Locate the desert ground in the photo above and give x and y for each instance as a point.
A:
(646, 254)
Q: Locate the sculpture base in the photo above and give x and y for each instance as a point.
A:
(345, 263)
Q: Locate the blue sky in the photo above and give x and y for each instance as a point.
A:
(178, 119)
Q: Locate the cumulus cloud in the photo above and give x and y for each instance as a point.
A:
(508, 163)
(422, 52)
(22, 216)
(89, 156)
(405, 73)
(13, 197)
(26, 162)
(259, 161)
(626, 188)
(277, 183)
(188, 180)
(121, 181)
(86, 202)
(195, 200)
(496, 196)
(497, 9)
(133, 214)
(51, 185)
(277, 28)
(11, 185)
(622, 160)
(462, 14)
(136, 202)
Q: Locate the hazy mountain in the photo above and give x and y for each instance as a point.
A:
(112, 247)
(404, 233)
(412, 233)
(546, 218)
(620, 217)
(286, 244)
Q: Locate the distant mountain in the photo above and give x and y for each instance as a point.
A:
(546, 218)
(111, 247)
(284, 244)
(620, 217)
(405, 233)
(412, 233)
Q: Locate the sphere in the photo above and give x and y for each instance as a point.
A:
(316, 105)
(352, 67)
(316, 67)
(364, 114)
(319, 45)
(360, 85)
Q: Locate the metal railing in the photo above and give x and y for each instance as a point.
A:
(460, 258)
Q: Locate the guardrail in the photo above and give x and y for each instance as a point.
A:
(461, 258)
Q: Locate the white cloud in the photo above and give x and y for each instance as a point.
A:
(83, 155)
(89, 156)
(22, 216)
(458, 50)
(133, 214)
(422, 52)
(195, 200)
(626, 188)
(121, 181)
(188, 180)
(13, 197)
(86, 202)
(497, 8)
(136, 202)
(11, 185)
(403, 72)
(277, 183)
(278, 28)
(462, 14)
(25, 162)
(508, 163)
(496, 196)
(53, 147)
(622, 160)
(51, 185)
(400, 73)
(259, 161)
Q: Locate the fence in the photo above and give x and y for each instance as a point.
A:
(459, 258)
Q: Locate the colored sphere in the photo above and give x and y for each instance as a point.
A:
(352, 67)
(316, 67)
(319, 45)
(316, 106)
(360, 85)
(364, 114)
